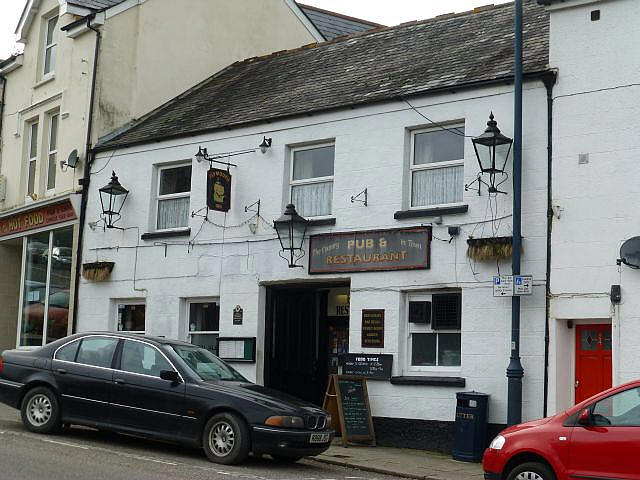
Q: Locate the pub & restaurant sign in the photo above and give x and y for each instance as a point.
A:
(368, 251)
(37, 218)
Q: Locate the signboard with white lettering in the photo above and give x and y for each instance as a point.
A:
(523, 284)
(366, 251)
(374, 366)
(503, 286)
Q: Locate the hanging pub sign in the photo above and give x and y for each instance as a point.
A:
(218, 190)
(368, 251)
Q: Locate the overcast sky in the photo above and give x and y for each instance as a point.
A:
(386, 12)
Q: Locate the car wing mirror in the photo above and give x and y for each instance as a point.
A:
(584, 418)
(170, 375)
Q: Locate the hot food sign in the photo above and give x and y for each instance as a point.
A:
(37, 218)
(373, 250)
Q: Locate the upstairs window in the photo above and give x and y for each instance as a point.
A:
(53, 151)
(174, 193)
(50, 38)
(437, 167)
(434, 330)
(312, 180)
(32, 159)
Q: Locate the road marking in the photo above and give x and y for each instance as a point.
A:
(66, 444)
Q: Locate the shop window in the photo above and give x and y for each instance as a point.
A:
(174, 194)
(47, 269)
(97, 351)
(434, 324)
(143, 359)
(204, 325)
(50, 45)
(32, 159)
(312, 180)
(437, 167)
(52, 155)
(131, 317)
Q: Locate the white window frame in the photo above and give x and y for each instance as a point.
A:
(32, 159)
(170, 196)
(50, 152)
(196, 301)
(432, 166)
(136, 302)
(49, 46)
(308, 181)
(413, 328)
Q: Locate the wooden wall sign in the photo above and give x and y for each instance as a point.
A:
(37, 218)
(372, 328)
(347, 400)
(218, 190)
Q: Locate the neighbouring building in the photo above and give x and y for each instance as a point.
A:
(370, 139)
(594, 315)
(90, 67)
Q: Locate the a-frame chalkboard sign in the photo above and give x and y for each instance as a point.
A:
(347, 400)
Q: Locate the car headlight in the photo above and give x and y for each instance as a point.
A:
(284, 421)
(497, 443)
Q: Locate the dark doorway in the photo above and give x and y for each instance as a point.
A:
(304, 338)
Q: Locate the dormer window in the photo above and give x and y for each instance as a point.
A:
(50, 37)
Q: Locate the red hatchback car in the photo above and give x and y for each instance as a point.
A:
(597, 439)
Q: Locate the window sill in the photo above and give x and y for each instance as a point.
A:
(46, 79)
(429, 381)
(184, 232)
(320, 222)
(430, 212)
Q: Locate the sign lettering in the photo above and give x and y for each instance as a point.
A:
(42, 217)
(218, 190)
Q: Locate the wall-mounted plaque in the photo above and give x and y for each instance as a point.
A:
(238, 315)
(237, 349)
(367, 251)
(218, 190)
(372, 328)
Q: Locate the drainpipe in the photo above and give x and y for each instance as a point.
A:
(3, 80)
(87, 175)
(515, 372)
(549, 81)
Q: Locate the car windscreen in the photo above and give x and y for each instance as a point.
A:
(206, 365)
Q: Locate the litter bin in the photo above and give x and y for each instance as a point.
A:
(470, 429)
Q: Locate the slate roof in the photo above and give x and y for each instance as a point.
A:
(95, 4)
(446, 52)
(332, 25)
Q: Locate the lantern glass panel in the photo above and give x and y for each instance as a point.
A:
(283, 228)
(485, 156)
(502, 155)
(297, 237)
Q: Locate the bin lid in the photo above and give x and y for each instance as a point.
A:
(471, 394)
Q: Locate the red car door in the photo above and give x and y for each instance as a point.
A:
(609, 445)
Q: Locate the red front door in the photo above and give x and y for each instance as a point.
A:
(593, 360)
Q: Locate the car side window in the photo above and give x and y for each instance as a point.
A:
(97, 351)
(143, 359)
(68, 352)
(621, 409)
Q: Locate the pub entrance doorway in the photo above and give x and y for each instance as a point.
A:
(306, 332)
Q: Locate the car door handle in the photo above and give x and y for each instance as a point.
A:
(62, 371)
(119, 381)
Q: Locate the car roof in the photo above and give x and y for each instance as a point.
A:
(134, 336)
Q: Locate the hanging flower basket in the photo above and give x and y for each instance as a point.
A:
(493, 248)
(97, 271)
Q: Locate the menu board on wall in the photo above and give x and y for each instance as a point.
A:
(374, 366)
(373, 328)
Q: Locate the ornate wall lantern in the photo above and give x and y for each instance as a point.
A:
(291, 229)
(492, 151)
(112, 197)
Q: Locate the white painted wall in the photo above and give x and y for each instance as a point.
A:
(596, 111)
(370, 152)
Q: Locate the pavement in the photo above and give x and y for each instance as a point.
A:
(401, 462)
(83, 453)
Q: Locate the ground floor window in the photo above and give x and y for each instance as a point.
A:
(46, 290)
(131, 317)
(434, 323)
(204, 324)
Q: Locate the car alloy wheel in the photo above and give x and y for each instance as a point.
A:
(531, 471)
(222, 439)
(39, 410)
(529, 476)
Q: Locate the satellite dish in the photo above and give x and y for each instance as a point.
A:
(72, 161)
(630, 252)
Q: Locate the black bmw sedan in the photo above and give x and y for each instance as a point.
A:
(158, 388)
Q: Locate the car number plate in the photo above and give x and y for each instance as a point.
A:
(319, 438)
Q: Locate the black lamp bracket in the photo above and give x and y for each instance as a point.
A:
(491, 187)
(254, 207)
(198, 213)
(359, 197)
(293, 259)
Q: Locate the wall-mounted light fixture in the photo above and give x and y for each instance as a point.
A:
(492, 151)
(266, 144)
(291, 229)
(112, 197)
